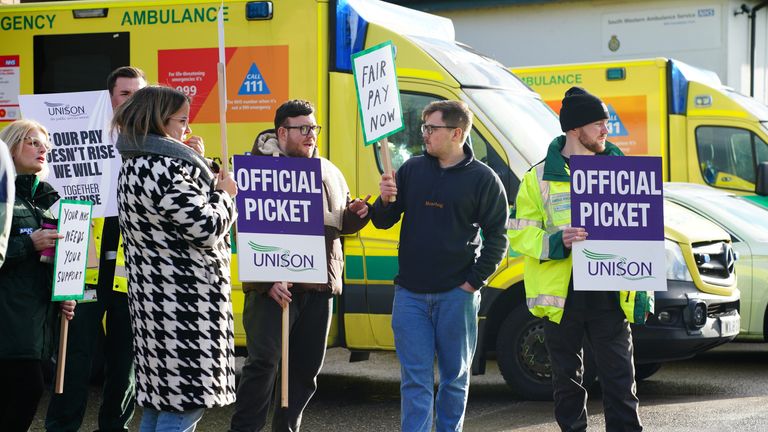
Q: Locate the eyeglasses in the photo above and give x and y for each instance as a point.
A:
(183, 120)
(36, 143)
(428, 129)
(306, 129)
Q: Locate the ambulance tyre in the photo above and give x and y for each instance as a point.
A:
(524, 360)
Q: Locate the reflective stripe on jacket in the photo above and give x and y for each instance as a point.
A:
(542, 211)
(120, 282)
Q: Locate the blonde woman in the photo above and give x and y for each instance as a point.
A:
(26, 311)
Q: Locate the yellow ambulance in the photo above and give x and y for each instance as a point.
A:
(706, 132)
(277, 50)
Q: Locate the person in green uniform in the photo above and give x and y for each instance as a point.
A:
(105, 307)
(540, 229)
(26, 311)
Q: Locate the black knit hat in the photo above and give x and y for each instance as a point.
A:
(580, 108)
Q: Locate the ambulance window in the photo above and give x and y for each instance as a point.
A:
(78, 62)
(761, 150)
(486, 154)
(409, 143)
(728, 156)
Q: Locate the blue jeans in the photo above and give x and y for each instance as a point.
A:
(167, 421)
(425, 325)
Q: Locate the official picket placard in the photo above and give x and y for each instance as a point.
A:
(620, 203)
(72, 250)
(83, 161)
(378, 97)
(280, 229)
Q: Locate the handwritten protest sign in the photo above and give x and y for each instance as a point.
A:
(83, 160)
(377, 92)
(72, 250)
(619, 201)
(280, 229)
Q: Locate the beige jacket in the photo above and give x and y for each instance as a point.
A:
(338, 219)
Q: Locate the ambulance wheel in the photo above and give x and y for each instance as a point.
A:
(524, 360)
(522, 356)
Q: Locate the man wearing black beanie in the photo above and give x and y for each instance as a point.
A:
(540, 229)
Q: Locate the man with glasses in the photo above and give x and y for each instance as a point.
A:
(106, 301)
(446, 198)
(310, 305)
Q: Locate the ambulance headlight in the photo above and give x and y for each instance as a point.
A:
(676, 266)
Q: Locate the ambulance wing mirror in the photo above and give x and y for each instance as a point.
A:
(761, 185)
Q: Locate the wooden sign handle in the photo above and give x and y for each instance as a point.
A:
(284, 364)
(386, 161)
(286, 332)
(62, 358)
(223, 117)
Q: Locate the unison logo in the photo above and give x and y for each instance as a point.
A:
(57, 109)
(614, 265)
(273, 256)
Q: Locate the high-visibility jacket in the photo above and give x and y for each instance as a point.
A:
(542, 210)
(120, 282)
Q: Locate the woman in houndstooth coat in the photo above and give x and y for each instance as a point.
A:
(175, 215)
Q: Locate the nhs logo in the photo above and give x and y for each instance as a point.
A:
(709, 12)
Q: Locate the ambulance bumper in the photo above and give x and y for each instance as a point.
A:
(686, 322)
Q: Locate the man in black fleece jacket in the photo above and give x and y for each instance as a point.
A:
(446, 197)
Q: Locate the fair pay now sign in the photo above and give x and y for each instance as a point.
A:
(280, 229)
(619, 201)
(377, 92)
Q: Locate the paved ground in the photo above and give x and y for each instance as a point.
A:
(725, 389)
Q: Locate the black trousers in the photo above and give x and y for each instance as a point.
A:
(609, 335)
(310, 320)
(22, 388)
(66, 411)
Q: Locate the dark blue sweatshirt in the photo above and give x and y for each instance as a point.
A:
(443, 212)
